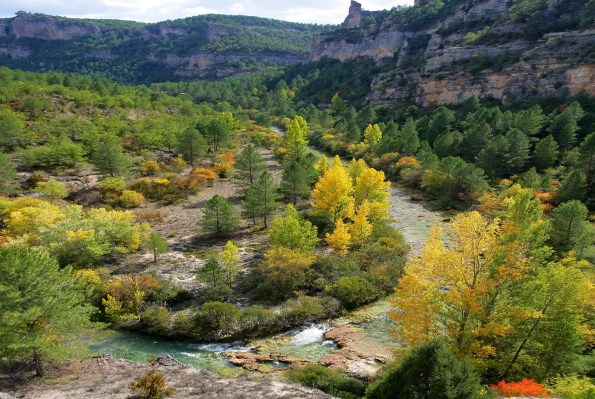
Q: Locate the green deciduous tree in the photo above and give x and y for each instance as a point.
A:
(372, 135)
(230, 262)
(293, 232)
(219, 217)
(44, 308)
(52, 189)
(295, 137)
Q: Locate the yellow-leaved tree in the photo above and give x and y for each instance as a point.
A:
(340, 239)
(494, 295)
(332, 195)
(361, 229)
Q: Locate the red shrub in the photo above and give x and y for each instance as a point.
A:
(526, 387)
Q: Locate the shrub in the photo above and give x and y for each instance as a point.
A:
(330, 381)
(525, 387)
(217, 319)
(150, 167)
(112, 185)
(131, 199)
(572, 387)
(152, 385)
(353, 291)
(431, 370)
(60, 154)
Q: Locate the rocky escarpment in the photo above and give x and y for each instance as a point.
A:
(107, 378)
(476, 49)
(195, 47)
(44, 27)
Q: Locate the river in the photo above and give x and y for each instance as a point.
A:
(412, 218)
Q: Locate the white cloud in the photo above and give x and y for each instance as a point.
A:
(316, 11)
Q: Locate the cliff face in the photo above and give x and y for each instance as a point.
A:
(477, 49)
(46, 28)
(197, 47)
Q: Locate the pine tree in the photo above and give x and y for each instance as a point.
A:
(298, 176)
(573, 187)
(109, 158)
(261, 198)
(568, 224)
(219, 217)
(8, 183)
(430, 371)
(155, 244)
(248, 166)
(192, 145)
(44, 308)
(211, 273)
(545, 153)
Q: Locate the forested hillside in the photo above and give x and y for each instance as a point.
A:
(204, 46)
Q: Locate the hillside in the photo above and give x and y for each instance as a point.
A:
(204, 46)
(440, 52)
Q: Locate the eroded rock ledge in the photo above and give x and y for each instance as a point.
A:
(107, 378)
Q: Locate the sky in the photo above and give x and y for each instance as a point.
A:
(311, 11)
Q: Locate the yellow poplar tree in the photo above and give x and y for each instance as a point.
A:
(332, 194)
(230, 261)
(356, 167)
(361, 229)
(370, 185)
(295, 136)
(340, 239)
(322, 165)
(372, 135)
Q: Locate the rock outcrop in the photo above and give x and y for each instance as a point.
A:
(354, 18)
(447, 61)
(46, 27)
(107, 378)
(356, 355)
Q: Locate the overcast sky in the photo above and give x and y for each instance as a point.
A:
(314, 11)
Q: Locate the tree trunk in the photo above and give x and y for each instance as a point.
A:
(39, 370)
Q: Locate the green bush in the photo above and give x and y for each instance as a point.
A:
(571, 387)
(430, 371)
(353, 291)
(330, 381)
(217, 319)
(60, 154)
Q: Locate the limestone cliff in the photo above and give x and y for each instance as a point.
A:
(206, 46)
(46, 28)
(476, 48)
